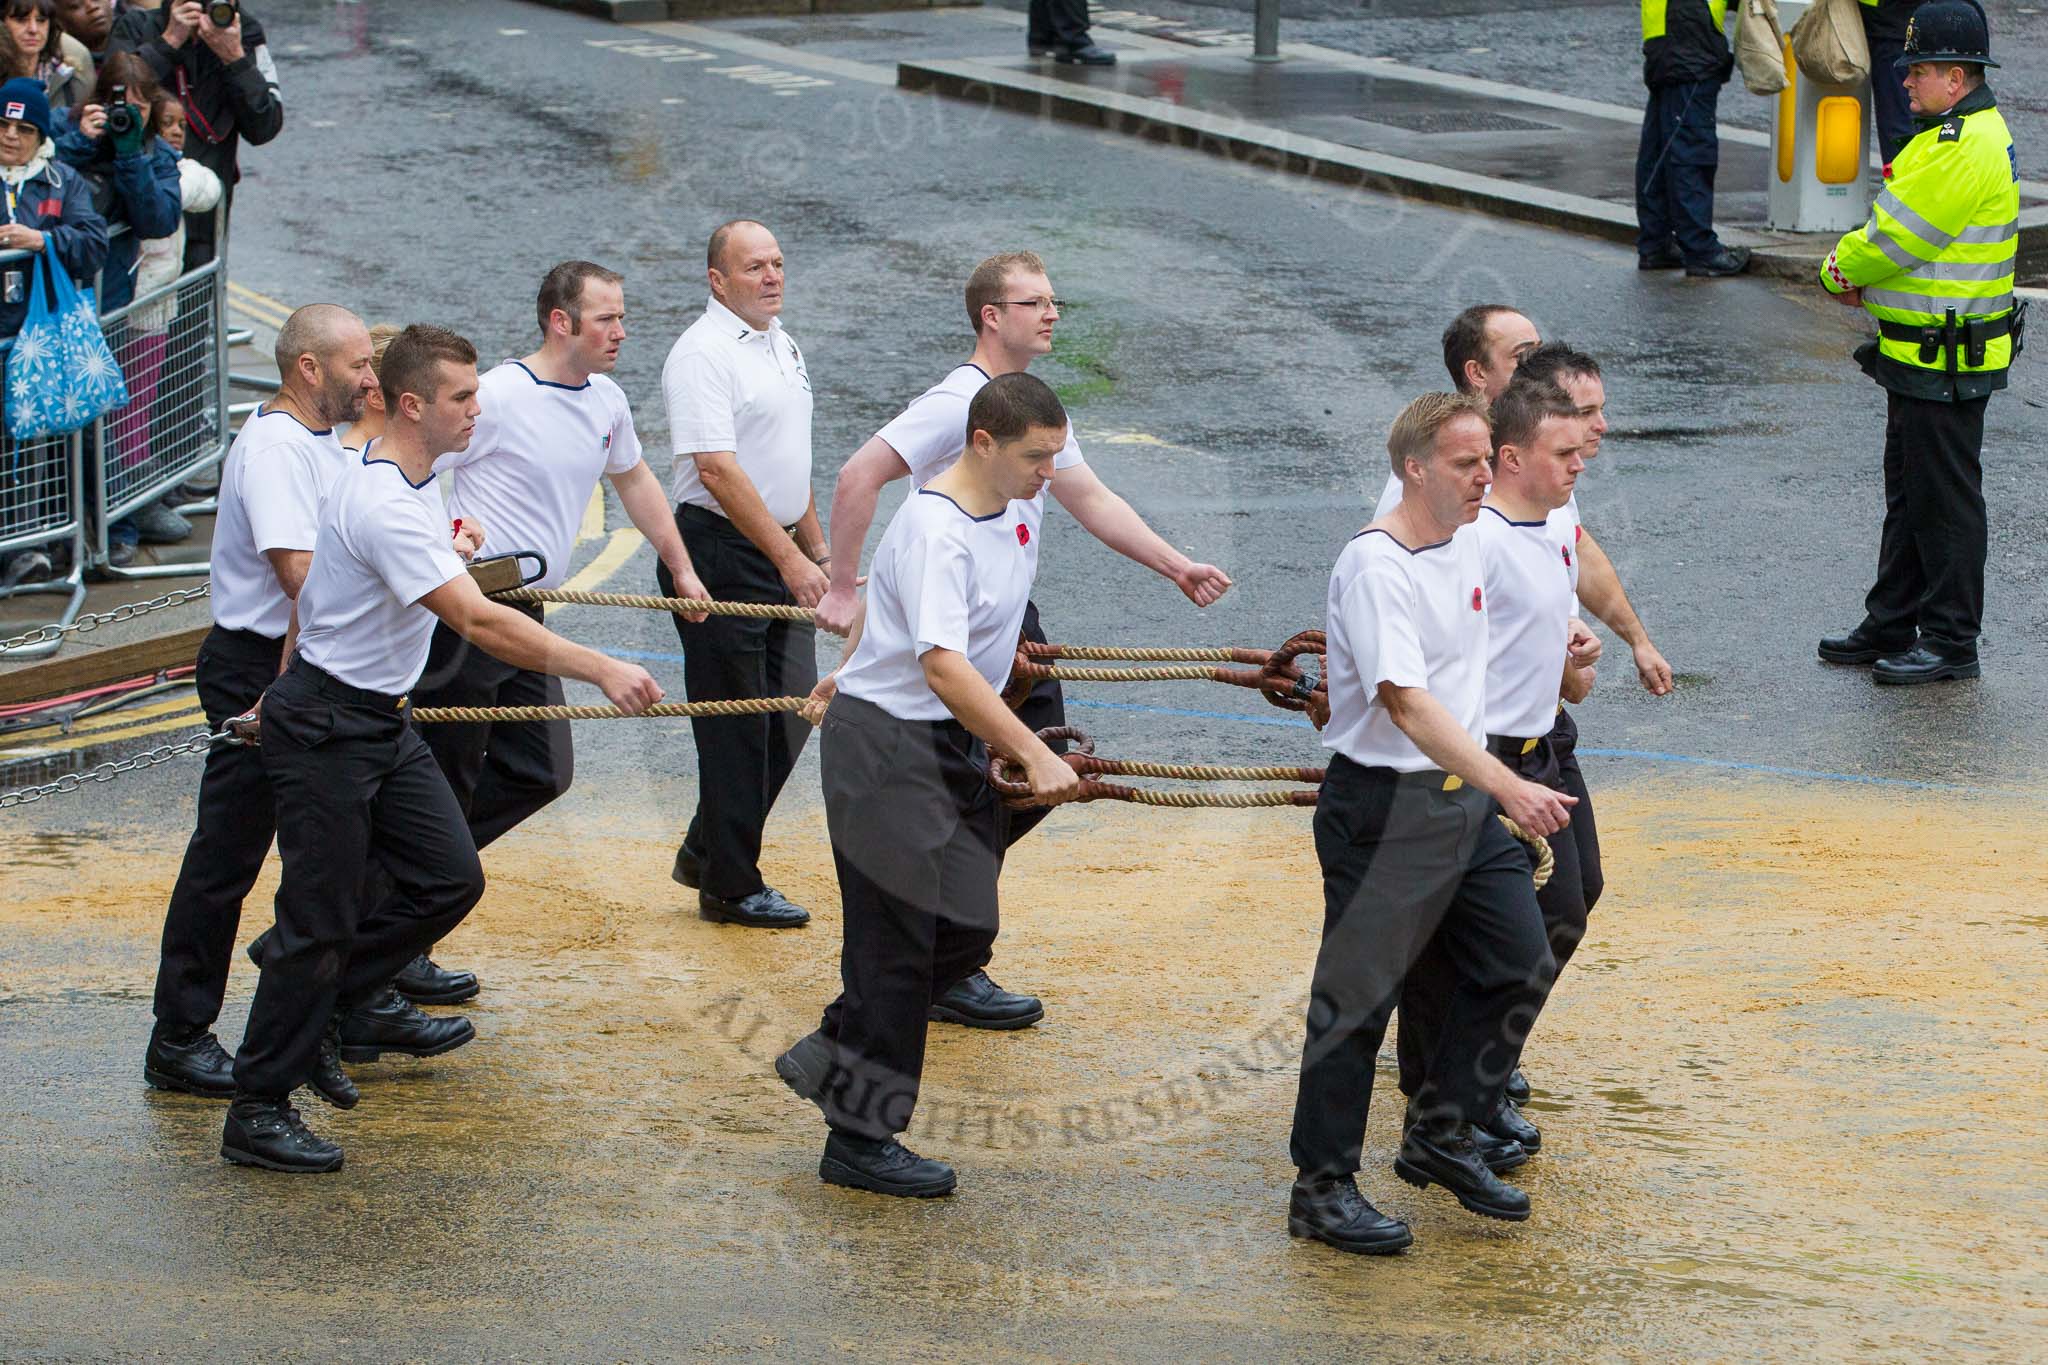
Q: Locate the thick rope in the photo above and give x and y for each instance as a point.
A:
(1546, 861)
(1106, 791)
(748, 706)
(1190, 772)
(1241, 677)
(760, 610)
(1038, 653)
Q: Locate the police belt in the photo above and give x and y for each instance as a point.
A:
(1975, 334)
(1510, 748)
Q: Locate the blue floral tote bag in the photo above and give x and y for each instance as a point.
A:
(60, 372)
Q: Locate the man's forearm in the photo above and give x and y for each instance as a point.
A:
(810, 536)
(1444, 742)
(1106, 516)
(854, 498)
(975, 704)
(1600, 592)
(741, 502)
(647, 507)
(517, 639)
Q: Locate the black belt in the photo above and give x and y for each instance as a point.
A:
(1973, 334)
(254, 639)
(704, 516)
(333, 688)
(1509, 748)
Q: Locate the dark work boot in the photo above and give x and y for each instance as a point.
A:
(1517, 1088)
(765, 909)
(977, 1002)
(1925, 664)
(1511, 1125)
(1448, 1157)
(1858, 648)
(424, 982)
(1334, 1212)
(803, 1067)
(391, 1023)
(1730, 260)
(883, 1166)
(270, 1134)
(1499, 1152)
(328, 1078)
(197, 1065)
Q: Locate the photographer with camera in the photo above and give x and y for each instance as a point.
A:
(211, 54)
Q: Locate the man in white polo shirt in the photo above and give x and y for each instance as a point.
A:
(1537, 651)
(739, 413)
(354, 782)
(280, 466)
(1011, 307)
(553, 425)
(1410, 849)
(914, 823)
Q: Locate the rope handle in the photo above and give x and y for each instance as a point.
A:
(1539, 849)
(1005, 776)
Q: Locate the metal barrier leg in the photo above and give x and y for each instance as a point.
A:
(72, 583)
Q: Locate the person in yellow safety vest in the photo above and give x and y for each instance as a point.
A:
(1686, 61)
(1934, 267)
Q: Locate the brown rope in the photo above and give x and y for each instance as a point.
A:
(1088, 765)
(759, 610)
(1034, 652)
(747, 706)
(1546, 861)
(1109, 791)
(1241, 677)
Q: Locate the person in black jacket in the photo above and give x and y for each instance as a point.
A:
(1686, 61)
(226, 81)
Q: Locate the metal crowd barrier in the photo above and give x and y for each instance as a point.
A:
(42, 505)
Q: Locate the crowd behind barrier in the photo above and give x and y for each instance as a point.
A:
(62, 493)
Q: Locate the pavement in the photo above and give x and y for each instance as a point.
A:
(1238, 342)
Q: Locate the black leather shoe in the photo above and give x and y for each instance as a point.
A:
(803, 1067)
(1334, 1212)
(689, 869)
(978, 1002)
(1517, 1088)
(1038, 49)
(765, 909)
(392, 1023)
(1733, 260)
(425, 982)
(1667, 259)
(1858, 648)
(883, 1167)
(270, 1134)
(328, 1078)
(1921, 664)
(1449, 1158)
(1091, 55)
(198, 1065)
(1510, 1124)
(255, 948)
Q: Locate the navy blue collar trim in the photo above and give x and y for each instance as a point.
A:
(970, 365)
(935, 493)
(367, 462)
(279, 412)
(1487, 507)
(549, 383)
(1382, 531)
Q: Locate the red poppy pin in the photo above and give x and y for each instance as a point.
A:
(1023, 534)
(1567, 550)
(1478, 603)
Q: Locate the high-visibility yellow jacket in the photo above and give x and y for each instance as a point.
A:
(1943, 235)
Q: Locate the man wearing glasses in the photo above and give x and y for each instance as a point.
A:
(1011, 306)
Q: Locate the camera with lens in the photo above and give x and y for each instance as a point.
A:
(221, 13)
(121, 116)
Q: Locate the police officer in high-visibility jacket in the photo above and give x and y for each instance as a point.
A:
(1934, 266)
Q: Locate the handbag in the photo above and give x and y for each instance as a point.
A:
(61, 374)
(1829, 44)
(1760, 47)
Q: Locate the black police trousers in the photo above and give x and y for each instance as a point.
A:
(1566, 900)
(1406, 861)
(1930, 559)
(354, 784)
(1058, 23)
(742, 761)
(229, 840)
(916, 839)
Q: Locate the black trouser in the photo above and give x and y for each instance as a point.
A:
(742, 761)
(1676, 159)
(354, 783)
(1930, 560)
(915, 837)
(1884, 28)
(229, 841)
(1059, 23)
(1405, 861)
(1565, 900)
(1044, 708)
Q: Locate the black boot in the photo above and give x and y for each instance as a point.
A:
(424, 982)
(803, 1067)
(1925, 664)
(270, 1134)
(197, 1065)
(978, 1002)
(1859, 648)
(883, 1166)
(391, 1023)
(328, 1078)
(1509, 1124)
(1517, 1088)
(1334, 1212)
(1448, 1157)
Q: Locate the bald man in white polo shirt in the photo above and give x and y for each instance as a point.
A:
(739, 413)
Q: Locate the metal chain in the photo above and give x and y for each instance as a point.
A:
(127, 611)
(107, 772)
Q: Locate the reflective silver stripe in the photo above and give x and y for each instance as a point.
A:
(1893, 252)
(1913, 222)
(1964, 270)
(1937, 306)
(2004, 232)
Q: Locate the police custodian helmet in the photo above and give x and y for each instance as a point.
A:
(1948, 31)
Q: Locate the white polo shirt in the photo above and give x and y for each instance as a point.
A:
(941, 579)
(732, 387)
(271, 486)
(538, 450)
(930, 434)
(1414, 618)
(1532, 580)
(384, 544)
